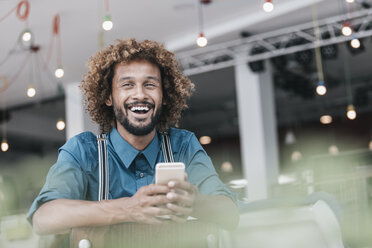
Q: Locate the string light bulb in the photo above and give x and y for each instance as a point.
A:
(268, 6)
(346, 29)
(31, 91)
(59, 72)
(296, 156)
(355, 43)
(60, 125)
(321, 89)
(107, 23)
(326, 119)
(333, 150)
(349, 1)
(201, 41)
(4, 146)
(205, 140)
(26, 36)
(351, 113)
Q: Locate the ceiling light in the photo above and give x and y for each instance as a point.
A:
(355, 43)
(201, 41)
(321, 89)
(349, 1)
(257, 66)
(351, 113)
(346, 30)
(205, 140)
(290, 138)
(268, 6)
(333, 150)
(59, 72)
(31, 91)
(4, 146)
(326, 119)
(107, 23)
(328, 51)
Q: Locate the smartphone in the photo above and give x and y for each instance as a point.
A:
(165, 172)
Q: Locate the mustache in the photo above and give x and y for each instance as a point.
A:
(127, 105)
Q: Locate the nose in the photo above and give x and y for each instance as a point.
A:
(139, 93)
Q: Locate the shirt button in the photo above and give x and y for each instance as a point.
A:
(141, 174)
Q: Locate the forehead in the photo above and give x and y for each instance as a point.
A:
(137, 68)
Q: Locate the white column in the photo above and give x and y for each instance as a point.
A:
(257, 126)
(77, 119)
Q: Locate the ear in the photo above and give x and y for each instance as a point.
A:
(109, 101)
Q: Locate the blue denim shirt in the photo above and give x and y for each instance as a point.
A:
(75, 174)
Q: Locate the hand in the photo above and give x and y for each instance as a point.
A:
(146, 204)
(182, 196)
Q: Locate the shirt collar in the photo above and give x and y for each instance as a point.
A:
(127, 153)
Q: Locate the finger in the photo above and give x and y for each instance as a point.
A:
(154, 200)
(154, 189)
(158, 211)
(181, 199)
(186, 211)
(176, 184)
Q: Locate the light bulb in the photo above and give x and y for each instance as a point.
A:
(26, 36)
(346, 30)
(107, 23)
(59, 72)
(349, 1)
(321, 90)
(227, 166)
(355, 43)
(4, 146)
(201, 41)
(31, 91)
(60, 125)
(351, 113)
(333, 150)
(205, 140)
(326, 119)
(268, 6)
(296, 155)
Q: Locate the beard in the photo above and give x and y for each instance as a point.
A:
(139, 130)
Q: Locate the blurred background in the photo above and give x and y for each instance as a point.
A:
(282, 103)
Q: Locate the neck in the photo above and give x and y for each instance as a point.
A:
(138, 142)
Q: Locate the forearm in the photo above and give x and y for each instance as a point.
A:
(60, 215)
(218, 209)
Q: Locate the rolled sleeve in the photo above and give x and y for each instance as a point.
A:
(201, 171)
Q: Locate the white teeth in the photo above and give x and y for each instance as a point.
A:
(139, 108)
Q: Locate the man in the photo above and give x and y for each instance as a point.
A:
(135, 92)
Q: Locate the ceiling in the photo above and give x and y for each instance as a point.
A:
(172, 22)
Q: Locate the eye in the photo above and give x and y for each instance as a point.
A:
(151, 84)
(126, 84)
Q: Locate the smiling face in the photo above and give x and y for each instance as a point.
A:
(136, 97)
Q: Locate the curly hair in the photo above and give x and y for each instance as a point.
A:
(97, 82)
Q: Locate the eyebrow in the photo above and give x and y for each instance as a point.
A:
(148, 77)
